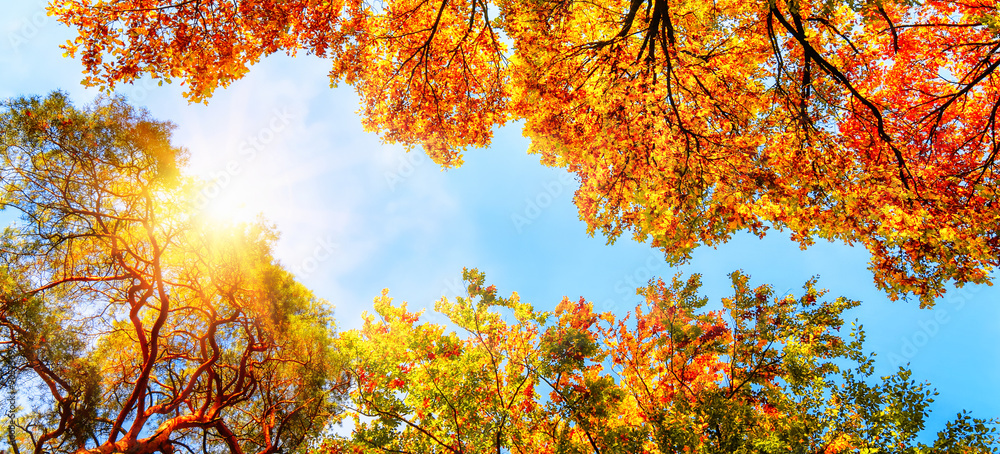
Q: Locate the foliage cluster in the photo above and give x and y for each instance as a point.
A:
(131, 326)
(767, 373)
(871, 122)
(128, 323)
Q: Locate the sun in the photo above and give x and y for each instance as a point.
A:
(237, 201)
(230, 188)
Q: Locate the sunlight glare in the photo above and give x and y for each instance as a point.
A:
(240, 201)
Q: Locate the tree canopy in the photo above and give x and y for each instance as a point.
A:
(685, 121)
(129, 324)
(137, 327)
(767, 373)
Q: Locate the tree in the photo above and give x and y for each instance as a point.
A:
(132, 324)
(766, 373)
(869, 122)
(422, 390)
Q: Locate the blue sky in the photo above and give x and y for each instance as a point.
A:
(357, 215)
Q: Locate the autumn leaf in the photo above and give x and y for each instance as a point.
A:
(870, 123)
